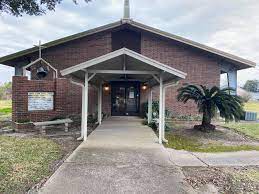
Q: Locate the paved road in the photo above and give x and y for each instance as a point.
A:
(120, 156)
(185, 158)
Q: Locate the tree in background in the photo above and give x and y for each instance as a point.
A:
(30, 7)
(251, 85)
(6, 91)
(209, 100)
(244, 94)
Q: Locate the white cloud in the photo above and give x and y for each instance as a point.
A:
(240, 35)
(6, 74)
(227, 25)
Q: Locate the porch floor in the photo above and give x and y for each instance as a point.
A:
(120, 156)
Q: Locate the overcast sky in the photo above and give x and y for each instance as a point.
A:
(231, 26)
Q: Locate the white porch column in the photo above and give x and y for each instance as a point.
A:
(232, 80)
(100, 94)
(163, 117)
(150, 102)
(83, 113)
(160, 109)
(85, 116)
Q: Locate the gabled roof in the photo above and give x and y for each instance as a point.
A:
(109, 66)
(229, 57)
(117, 53)
(59, 41)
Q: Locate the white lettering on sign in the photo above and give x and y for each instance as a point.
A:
(40, 101)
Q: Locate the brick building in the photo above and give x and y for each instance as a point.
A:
(122, 62)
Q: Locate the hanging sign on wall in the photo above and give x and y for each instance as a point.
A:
(40, 101)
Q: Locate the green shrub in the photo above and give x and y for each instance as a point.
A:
(23, 120)
(168, 114)
(57, 118)
(92, 119)
(144, 122)
(153, 125)
(155, 110)
(167, 127)
(188, 117)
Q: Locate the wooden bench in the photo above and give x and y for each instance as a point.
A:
(44, 124)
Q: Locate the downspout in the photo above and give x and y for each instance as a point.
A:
(83, 87)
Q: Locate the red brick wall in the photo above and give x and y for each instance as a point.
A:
(78, 51)
(72, 53)
(67, 99)
(199, 67)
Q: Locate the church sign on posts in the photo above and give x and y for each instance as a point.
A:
(40, 101)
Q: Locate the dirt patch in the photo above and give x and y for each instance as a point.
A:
(226, 179)
(67, 144)
(5, 124)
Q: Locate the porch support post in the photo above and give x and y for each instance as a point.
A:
(100, 93)
(232, 80)
(150, 102)
(163, 117)
(85, 116)
(18, 70)
(160, 109)
(83, 113)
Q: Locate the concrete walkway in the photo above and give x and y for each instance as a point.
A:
(185, 158)
(120, 156)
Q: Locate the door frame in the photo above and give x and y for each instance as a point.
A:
(126, 84)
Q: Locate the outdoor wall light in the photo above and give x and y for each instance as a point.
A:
(144, 87)
(106, 87)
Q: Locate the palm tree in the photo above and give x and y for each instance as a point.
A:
(209, 100)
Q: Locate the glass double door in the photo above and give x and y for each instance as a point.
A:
(125, 98)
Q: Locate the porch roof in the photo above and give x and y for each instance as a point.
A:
(124, 65)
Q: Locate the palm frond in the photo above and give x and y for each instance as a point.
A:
(209, 100)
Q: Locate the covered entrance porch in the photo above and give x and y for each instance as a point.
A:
(132, 67)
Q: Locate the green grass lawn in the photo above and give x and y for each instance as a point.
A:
(252, 106)
(249, 129)
(24, 162)
(5, 107)
(179, 142)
